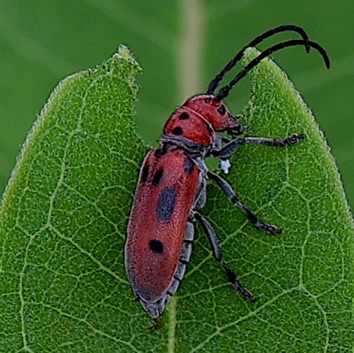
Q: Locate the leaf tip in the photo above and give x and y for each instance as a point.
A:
(124, 53)
(249, 54)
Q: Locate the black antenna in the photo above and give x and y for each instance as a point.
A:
(224, 91)
(215, 82)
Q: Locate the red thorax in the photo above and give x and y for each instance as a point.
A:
(199, 118)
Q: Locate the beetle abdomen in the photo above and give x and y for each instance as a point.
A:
(159, 233)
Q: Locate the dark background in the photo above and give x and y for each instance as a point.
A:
(43, 41)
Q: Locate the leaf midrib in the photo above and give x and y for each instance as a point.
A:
(190, 57)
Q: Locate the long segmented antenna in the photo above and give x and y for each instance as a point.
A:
(215, 82)
(224, 91)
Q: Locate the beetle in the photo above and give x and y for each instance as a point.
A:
(172, 184)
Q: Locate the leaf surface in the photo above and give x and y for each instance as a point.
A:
(64, 217)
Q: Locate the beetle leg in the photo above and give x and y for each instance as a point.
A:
(201, 195)
(214, 243)
(232, 196)
(233, 145)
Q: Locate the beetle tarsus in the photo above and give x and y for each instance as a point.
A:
(282, 142)
(268, 228)
(244, 292)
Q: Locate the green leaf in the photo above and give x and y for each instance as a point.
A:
(64, 216)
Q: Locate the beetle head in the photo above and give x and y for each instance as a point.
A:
(216, 113)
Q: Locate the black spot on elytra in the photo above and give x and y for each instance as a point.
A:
(166, 204)
(184, 116)
(156, 246)
(188, 165)
(177, 131)
(157, 177)
(222, 110)
(145, 174)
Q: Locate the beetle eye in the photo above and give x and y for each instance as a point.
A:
(222, 110)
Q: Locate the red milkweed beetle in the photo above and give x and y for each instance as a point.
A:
(172, 185)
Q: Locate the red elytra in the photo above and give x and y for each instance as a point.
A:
(172, 185)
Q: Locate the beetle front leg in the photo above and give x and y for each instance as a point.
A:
(214, 243)
(233, 145)
(232, 196)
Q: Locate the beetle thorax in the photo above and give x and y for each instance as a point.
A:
(198, 119)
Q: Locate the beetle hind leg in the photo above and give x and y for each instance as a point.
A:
(209, 230)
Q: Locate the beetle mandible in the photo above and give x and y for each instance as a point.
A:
(172, 184)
